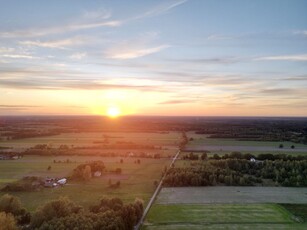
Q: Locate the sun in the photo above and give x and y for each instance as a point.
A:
(113, 112)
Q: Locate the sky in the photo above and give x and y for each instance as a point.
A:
(168, 57)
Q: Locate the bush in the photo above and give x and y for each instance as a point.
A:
(7, 221)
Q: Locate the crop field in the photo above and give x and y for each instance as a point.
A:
(202, 142)
(136, 180)
(203, 139)
(220, 216)
(232, 194)
(91, 139)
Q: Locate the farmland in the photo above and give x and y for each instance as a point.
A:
(220, 216)
(168, 139)
(218, 207)
(201, 142)
(232, 194)
(136, 179)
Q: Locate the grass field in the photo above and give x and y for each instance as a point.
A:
(88, 139)
(202, 139)
(220, 216)
(136, 179)
(232, 194)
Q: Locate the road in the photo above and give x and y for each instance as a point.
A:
(152, 199)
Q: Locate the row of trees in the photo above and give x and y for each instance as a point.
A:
(239, 172)
(246, 156)
(64, 214)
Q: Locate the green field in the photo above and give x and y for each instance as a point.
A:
(202, 139)
(88, 139)
(136, 179)
(220, 216)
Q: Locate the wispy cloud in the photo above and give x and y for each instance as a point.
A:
(171, 102)
(135, 48)
(301, 32)
(129, 52)
(12, 53)
(296, 57)
(59, 44)
(19, 106)
(78, 56)
(60, 83)
(68, 27)
(160, 9)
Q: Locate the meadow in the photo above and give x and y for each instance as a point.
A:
(231, 194)
(166, 139)
(202, 142)
(220, 216)
(136, 180)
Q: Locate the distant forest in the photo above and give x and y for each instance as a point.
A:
(239, 128)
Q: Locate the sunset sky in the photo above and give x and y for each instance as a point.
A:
(168, 57)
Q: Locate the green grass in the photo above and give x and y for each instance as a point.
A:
(220, 216)
(202, 139)
(136, 179)
(298, 210)
(86, 139)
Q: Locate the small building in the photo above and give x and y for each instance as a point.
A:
(97, 174)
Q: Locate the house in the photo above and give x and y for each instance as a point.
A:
(97, 174)
(62, 181)
(255, 161)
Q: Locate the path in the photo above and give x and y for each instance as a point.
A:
(152, 199)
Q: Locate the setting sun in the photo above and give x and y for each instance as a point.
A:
(113, 112)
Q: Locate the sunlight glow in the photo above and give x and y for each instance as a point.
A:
(113, 112)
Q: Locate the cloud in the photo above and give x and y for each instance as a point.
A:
(294, 93)
(98, 14)
(296, 78)
(297, 57)
(160, 9)
(59, 44)
(136, 47)
(39, 32)
(215, 60)
(27, 81)
(301, 32)
(130, 52)
(18, 56)
(170, 102)
(78, 56)
(19, 106)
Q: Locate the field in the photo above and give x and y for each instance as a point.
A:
(202, 142)
(231, 194)
(227, 208)
(169, 139)
(221, 216)
(136, 179)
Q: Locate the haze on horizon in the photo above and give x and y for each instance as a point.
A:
(172, 57)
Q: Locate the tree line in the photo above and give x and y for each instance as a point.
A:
(62, 214)
(239, 172)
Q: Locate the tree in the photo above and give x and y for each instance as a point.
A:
(7, 221)
(54, 209)
(204, 156)
(10, 204)
(87, 173)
